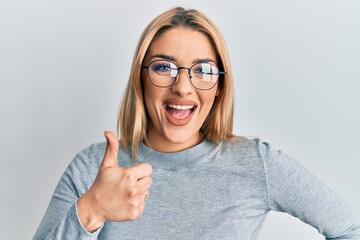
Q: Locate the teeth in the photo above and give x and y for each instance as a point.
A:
(181, 107)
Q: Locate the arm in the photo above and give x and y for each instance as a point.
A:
(80, 206)
(61, 219)
(293, 189)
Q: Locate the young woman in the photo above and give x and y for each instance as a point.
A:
(176, 144)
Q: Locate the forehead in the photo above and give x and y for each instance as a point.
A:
(184, 45)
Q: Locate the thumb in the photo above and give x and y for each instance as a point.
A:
(112, 149)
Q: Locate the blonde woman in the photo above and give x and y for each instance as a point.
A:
(178, 172)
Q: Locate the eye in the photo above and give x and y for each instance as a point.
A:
(205, 69)
(161, 67)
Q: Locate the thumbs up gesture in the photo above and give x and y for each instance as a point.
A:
(117, 194)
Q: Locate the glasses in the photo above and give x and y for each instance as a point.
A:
(203, 76)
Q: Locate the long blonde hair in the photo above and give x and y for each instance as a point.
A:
(132, 115)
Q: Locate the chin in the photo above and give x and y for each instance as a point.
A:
(182, 137)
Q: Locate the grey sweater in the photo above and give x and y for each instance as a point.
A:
(205, 192)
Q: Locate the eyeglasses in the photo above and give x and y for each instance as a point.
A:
(203, 76)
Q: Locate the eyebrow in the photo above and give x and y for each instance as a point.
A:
(166, 57)
(163, 56)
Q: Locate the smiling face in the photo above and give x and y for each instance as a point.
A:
(177, 113)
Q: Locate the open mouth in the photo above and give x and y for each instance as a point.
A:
(179, 111)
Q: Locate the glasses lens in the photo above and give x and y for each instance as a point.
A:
(204, 75)
(162, 73)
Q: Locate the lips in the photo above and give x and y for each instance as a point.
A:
(179, 112)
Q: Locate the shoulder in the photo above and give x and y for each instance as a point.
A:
(94, 154)
(245, 145)
(250, 150)
(255, 151)
(240, 151)
(96, 150)
(92, 151)
(89, 157)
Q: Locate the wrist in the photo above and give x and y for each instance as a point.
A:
(87, 214)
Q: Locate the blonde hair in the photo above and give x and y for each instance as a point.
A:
(132, 115)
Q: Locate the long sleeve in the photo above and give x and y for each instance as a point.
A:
(293, 189)
(61, 219)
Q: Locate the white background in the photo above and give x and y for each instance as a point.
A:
(64, 65)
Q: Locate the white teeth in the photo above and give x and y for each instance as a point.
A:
(181, 107)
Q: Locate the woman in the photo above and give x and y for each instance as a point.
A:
(175, 123)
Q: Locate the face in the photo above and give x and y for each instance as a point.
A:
(177, 112)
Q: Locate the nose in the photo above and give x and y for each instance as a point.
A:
(183, 86)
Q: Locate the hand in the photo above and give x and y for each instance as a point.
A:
(117, 194)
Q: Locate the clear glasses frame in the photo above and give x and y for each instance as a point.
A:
(166, 75)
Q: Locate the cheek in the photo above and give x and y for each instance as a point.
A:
(152, 98)
(208, 98)
(148, 89)
(149, 107)
(149, 99)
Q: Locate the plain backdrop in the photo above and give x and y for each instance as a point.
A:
(64, 65)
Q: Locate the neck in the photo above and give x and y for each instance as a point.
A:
(168, 146)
